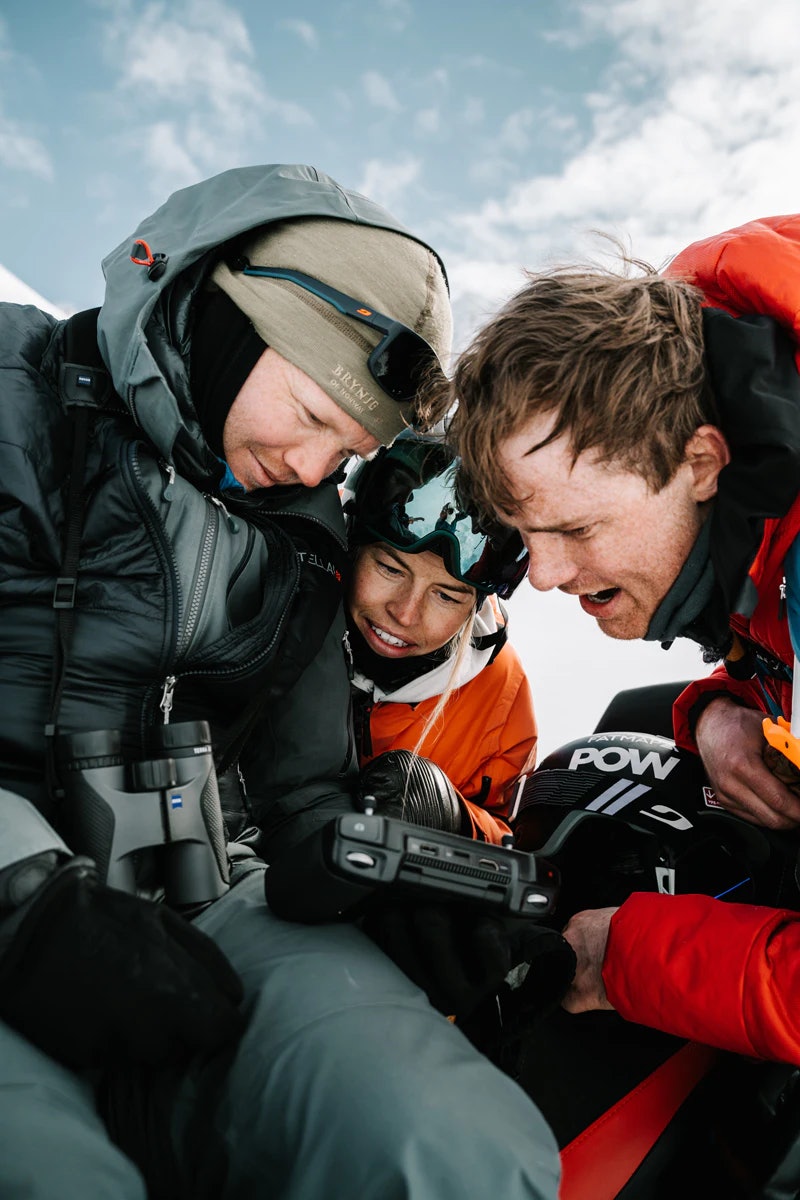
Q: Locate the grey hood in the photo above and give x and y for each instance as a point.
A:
(144, 327)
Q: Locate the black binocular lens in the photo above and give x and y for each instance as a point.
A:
(191, 736)
(97, 747)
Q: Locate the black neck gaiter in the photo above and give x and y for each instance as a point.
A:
(756, 387)
(390, 673)
(225, 348)
(688, 596)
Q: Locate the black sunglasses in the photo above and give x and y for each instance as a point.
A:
(400, 361)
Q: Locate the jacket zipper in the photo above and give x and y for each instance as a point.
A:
(168, 491)
(230, 521)
(348, 655)
(194, 607)
(351, 734)
(167, 696)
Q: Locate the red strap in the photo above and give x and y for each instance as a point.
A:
(599, 1161)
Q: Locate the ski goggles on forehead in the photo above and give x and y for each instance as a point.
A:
(411, 517)
(401, 359)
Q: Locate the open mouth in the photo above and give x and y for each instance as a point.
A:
(388, 638)
(602, 597)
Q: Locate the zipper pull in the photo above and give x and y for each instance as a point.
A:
(348, 652)
(782, 600)
(232, 524)
(165, 703)
(168, 491)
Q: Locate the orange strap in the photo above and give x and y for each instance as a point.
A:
(599, 1161)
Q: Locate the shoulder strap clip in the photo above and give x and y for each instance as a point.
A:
(87, 387)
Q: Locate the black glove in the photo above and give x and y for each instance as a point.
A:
(401, 784)
(94, 976)
(460, 957)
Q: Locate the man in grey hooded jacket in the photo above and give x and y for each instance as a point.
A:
(170, 549)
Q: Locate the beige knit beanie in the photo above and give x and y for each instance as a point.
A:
(385, 270)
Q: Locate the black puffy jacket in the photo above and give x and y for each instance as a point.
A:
(179, 596)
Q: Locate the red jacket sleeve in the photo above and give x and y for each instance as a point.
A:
(720, 683)
(724, 974)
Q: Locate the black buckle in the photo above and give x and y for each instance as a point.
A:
(64, 593)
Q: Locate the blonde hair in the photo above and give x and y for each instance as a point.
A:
(459, 645)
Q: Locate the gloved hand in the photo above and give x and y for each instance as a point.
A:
(93, 975)
(460, 957)
(402, 784)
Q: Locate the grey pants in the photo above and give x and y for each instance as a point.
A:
(347, 1085)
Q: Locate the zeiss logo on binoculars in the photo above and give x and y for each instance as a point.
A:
(623, 758)
(176, 800)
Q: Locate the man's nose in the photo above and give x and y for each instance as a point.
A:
(312, 464)
(550, 565)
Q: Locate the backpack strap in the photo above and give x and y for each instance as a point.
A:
(600, 1161)
(84, 384)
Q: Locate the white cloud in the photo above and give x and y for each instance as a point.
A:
(203, 50)
(387, 181)
(164, 144)
(20, 151)
(396, 14)
(198, 61)
(428, 121)
(473, 110)
(304, 30)
(699, 105)
(478, 288)
(379, 92)
(515, 131)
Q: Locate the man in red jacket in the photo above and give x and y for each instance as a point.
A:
(642, 431)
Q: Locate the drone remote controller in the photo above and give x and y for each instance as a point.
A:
(358, 854)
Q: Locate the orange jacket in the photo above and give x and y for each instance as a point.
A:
(486, 732)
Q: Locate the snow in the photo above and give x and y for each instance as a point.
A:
(17, 292)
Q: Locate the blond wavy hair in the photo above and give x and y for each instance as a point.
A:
(459, 645)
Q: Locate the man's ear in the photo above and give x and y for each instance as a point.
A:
(707, 452)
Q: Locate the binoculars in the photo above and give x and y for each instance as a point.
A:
(168, 803)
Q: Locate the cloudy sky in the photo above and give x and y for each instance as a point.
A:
(505, 133)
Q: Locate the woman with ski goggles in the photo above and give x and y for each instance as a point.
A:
(435, 677)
